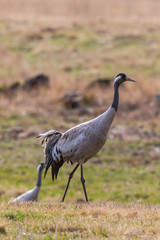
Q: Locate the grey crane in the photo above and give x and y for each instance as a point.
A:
(31, 195)
(81, 142)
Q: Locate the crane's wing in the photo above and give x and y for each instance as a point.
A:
(49, 139)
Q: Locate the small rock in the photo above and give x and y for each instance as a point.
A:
(40, 80)
(14, 86)
(73, 99)
(11, 88)
(101, 82)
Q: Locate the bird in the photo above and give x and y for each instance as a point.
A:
(80, 143)
(31, 195)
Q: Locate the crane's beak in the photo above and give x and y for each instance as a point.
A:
(130, 79)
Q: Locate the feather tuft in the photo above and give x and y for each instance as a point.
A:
(49, 139)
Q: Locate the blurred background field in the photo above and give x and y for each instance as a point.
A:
(80, 46)
(74, 49)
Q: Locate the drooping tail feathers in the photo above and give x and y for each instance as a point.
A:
(49, 139)
(45, 137)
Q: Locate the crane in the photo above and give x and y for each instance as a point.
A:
(81, 142)
(31, 195)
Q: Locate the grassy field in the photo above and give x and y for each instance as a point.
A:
(74, 50)
(80, 221)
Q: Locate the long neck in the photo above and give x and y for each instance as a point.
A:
(116, 97)
(39, 178)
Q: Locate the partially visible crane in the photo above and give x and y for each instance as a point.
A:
(31, 195)
(81, 142)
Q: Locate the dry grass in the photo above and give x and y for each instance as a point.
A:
(80, 221)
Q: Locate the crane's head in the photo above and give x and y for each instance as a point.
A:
(120, 78)
(40, 167)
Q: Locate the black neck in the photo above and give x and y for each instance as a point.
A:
(39, 178)
(116, 97)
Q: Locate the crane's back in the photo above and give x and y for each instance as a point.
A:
(85, 140)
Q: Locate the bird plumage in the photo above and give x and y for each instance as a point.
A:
(80, 143)
(31, 195)
(49, 139)
(83, 141)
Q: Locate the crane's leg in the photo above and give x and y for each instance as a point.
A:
(83, 183)
(69, 179)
